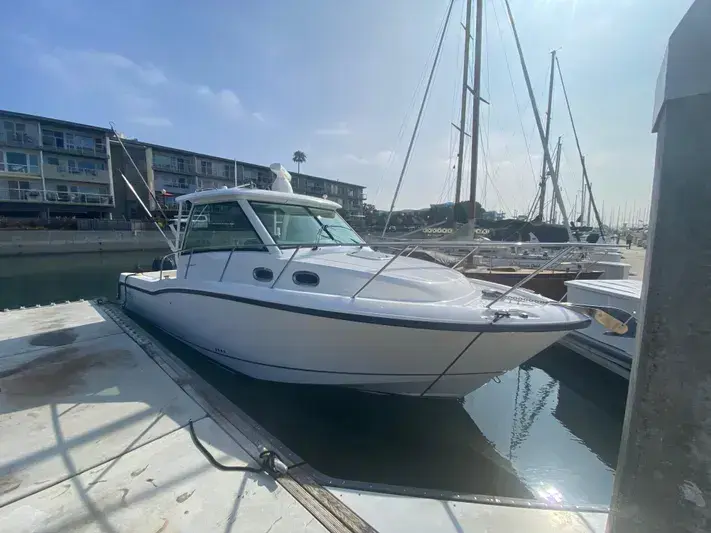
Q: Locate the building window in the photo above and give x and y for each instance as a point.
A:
(21, 162)
(18, 190)
(14, 127)
(71, 141)
(16, 132)
(206, 167)
(53, 138)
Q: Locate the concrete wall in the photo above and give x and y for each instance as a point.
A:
(38, 242)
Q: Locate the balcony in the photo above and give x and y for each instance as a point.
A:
(53, 144)
(13, 168)
(8, 194)
(79, 198)
(22, 140)
(175, 188)
(176, 169)
(88, 175)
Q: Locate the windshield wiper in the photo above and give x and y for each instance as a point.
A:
(342, 228)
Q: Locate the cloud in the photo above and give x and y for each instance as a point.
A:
(225, 101)
(158, 122)
(340, 129)
(98, 65)
(384, 158)
(356, 159)
(258, 116)
(138, 89)
(380, 159)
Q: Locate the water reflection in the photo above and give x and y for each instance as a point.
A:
(525, 437)
(559, 422)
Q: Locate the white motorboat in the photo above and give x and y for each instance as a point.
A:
(602, 346)
(279, 287)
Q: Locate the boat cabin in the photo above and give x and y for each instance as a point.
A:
(259, 237)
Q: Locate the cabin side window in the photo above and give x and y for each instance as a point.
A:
(220, 227)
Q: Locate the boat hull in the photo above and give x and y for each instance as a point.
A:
(279, 345)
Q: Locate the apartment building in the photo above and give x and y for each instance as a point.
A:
(170, 172)
(51, 167)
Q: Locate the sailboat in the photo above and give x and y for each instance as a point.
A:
(509, 267)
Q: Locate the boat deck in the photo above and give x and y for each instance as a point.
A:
(94, 420)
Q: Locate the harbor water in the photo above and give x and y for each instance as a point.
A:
(549, 430)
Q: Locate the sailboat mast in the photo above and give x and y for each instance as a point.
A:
(582, 200)
(558, 149)
(465, 94)
(539, 124)
(476, 104)
(542, 199)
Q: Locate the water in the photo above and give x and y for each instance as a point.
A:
(549, 430)
(33, 280)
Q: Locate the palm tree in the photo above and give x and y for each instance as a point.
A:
(299, 157)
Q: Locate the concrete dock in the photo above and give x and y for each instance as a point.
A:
(94, 438)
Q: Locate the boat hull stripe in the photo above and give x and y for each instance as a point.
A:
(498, 327)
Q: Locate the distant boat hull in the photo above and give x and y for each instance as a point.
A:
(548, 284)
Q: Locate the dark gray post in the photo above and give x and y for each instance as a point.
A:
(663, 482)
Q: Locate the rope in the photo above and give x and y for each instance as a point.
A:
(270, 461)
(450, 365)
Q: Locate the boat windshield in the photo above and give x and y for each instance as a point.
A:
(290, 225)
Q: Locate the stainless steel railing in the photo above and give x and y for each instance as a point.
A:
(565, 250)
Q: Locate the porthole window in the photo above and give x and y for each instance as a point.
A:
(262, 274)
(302, 277)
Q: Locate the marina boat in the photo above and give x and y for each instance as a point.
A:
(278, 286)
(595, 342)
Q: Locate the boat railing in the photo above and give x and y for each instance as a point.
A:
(407, 249)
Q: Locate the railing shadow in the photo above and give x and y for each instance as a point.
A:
(76, 401)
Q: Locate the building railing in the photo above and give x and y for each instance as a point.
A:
(19, 169)
(50, 143)
(160, 185)
(18, 139)
(12, 194)
(21, 195)
(63, 172)
(186, 169)
(79, 198)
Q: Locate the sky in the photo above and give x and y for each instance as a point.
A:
(342, 81)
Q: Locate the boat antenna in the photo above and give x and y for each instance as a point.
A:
(419, 117)
(580, 153)
(539, 124)
(171, 244)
